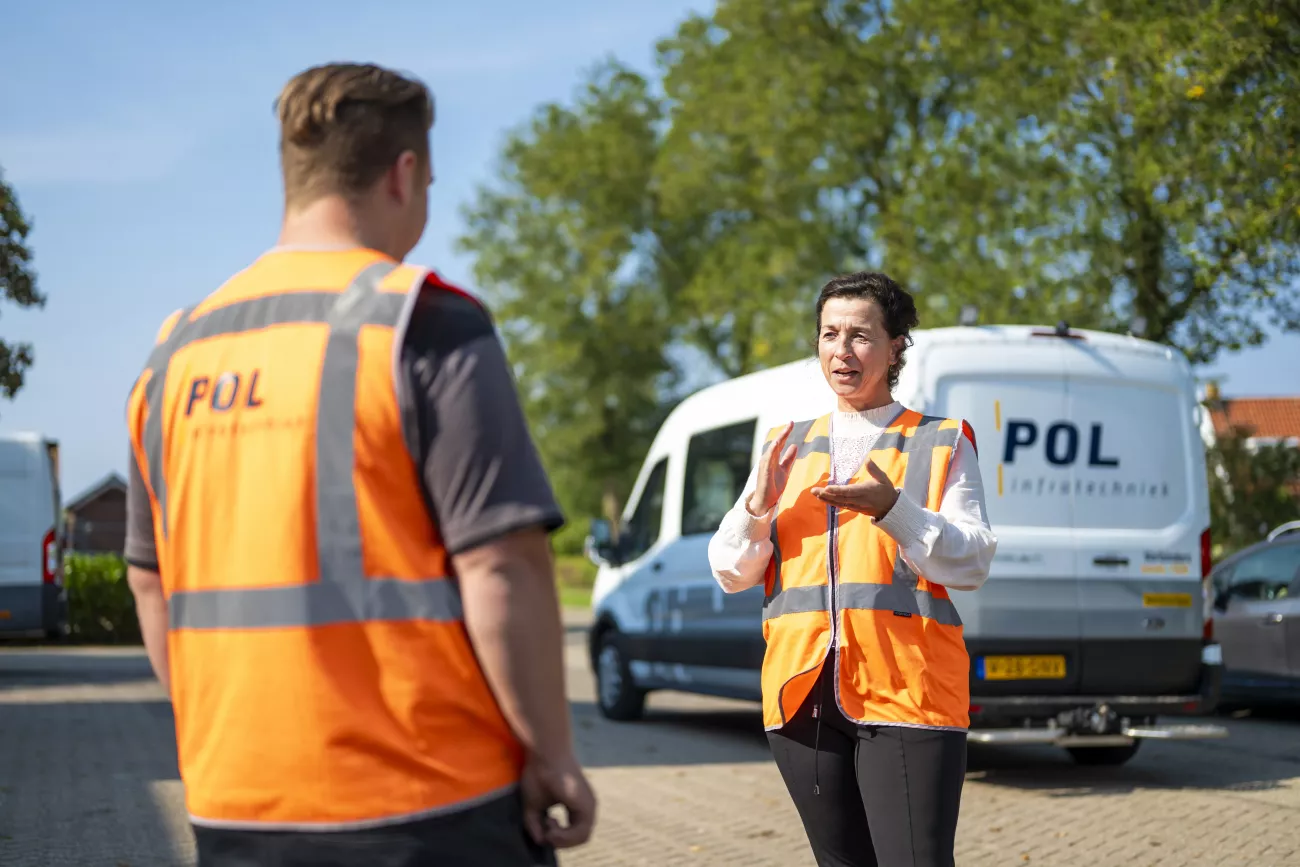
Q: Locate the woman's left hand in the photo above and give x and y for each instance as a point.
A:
(874, 497)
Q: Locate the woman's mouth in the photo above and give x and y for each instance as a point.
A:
(844, 375)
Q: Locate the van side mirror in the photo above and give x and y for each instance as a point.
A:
(599, 545)
(1221, 597)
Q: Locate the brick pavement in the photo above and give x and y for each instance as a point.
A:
(88, 778)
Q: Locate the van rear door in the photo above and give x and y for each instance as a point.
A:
(20, 540)
(1137, 474)
(1023, 626)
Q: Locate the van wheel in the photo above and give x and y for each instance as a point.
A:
(1103, 756)
(616, 693)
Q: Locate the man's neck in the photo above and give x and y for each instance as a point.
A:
(328, 223)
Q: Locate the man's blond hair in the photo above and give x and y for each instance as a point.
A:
(342, 125)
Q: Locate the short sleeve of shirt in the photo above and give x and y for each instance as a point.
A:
(141, 549)
(481, 470)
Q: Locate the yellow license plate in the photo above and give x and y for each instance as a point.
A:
(1166, 600)
(1024, 667)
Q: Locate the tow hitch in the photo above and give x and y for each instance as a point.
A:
(1097, 726)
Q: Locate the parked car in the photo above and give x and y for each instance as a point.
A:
(32, 598)
(1094, 620)
(1257, 618)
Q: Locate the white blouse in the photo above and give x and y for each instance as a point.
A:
(953, 546)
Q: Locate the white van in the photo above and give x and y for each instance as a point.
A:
(32, 598)
(1094, 619)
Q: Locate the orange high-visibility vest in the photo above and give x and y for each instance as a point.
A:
(322, 677)
(901, 655)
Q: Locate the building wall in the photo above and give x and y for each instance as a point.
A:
(100, 525)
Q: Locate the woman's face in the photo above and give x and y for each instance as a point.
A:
(856, 352)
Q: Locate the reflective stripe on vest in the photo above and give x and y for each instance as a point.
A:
(343, 593)
(901, 594)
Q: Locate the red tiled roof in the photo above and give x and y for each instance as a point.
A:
(1261, 416)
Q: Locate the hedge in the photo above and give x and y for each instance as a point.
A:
(101, 608)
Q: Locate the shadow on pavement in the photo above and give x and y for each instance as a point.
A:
(669, 736)
(91, 782)
(1283, 712)
(87, 761)
(1258, 755)
(26, 668)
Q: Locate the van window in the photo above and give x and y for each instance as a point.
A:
(717, 466)
(642, 529)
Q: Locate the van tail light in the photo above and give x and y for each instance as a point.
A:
(1206, 562)
(50, 558)
(1207, 587)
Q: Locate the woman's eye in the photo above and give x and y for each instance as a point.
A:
(860, 338)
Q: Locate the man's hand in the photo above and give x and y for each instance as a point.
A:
(550, 784)
(874, 497)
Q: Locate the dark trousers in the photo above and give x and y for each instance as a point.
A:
(489, 834)
(871, 796)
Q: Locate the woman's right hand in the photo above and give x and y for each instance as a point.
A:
(773, 473)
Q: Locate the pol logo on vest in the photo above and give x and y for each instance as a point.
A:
(222, 393)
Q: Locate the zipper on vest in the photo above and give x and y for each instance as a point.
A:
(832, 567)
(832, 657)
(817, 738)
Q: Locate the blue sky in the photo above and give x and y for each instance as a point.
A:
(141, 141)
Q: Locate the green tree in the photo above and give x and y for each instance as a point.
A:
(1090, 160)
(1146, 150)
(741, 183)
(560, 243)
(1098, 161)
(814, 138)
(17, 284)
(1251, 490)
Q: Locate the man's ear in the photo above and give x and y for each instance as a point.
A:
(403, 175)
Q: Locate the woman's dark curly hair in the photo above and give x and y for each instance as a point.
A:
(896, 307)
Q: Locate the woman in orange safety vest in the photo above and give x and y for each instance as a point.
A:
(858, 523)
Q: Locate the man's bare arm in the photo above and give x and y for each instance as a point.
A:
(151, 609)
(512, 614)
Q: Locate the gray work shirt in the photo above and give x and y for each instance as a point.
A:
(481, 474)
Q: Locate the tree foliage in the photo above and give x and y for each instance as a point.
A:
(1098, 161)
(1095, 161)
(17, 284)
(554, 241)
(1160, 167)
(1252, 490)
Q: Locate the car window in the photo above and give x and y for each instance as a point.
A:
(1266, 575)
(641, 530)
(717, 465)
